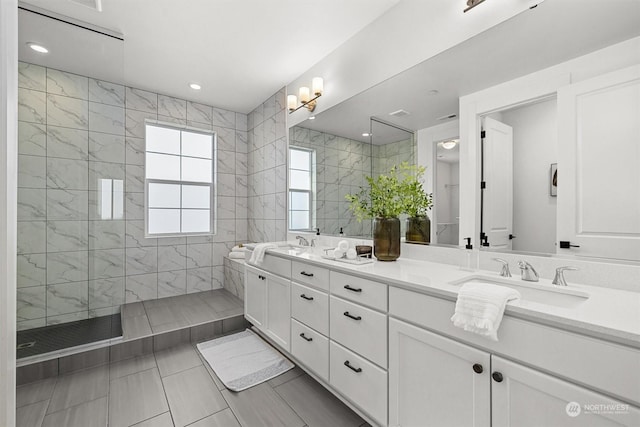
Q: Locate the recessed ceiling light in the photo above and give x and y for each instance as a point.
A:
(366, 134)
(37, 47)
(433, 92)
(312, 118)
(448, 145)
(195, 86)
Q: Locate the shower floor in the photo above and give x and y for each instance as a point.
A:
(36, 341)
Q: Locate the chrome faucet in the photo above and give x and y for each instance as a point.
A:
(559, 280)
(528, 272)
(302, 241)
(505, 267)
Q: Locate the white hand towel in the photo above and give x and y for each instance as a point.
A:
(236, 255)
(480, 307)
(258, 252)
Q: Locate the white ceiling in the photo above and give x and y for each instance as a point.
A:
(551, 33)
(240, 51)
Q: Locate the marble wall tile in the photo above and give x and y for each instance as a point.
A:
(172, 283)
(134, 235)
(67, 298)
(106, 93)
(134, 122)
(67, 204)
(269, 206)
(31, 171)
(106, 118)
(67, 84)
(226, 207)
(67, 174)
(241, 230)
(199, 255)
(242, 122)
(102, 170)
(141, 100)
(106, 147)
(242, 206)
(65, 318)
(32, 270)
(199, 279)
(134, 151)
(226, 161)
(32, 139)
(199, 113)
(217, 277)
(134, 206)
(142, 287)
(106, 293)
(106, 263)
(172, 107)
(67, 143)
(30, 324)
(242, 189)
(224, 118)
(32, 106)
(32, 76)
(226, 184)
(134, 180)
(226, 231)
(141, 260)
(172, 257)
(32, 204)
(63, 236)
(31, 303)
(219, 251)
(242, 142)
(106, 234)
(64, 267)
(225, 138)
(67, 112)
(32, 237)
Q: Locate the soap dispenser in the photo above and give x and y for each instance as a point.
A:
(467, 256)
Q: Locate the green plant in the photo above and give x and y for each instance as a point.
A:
(389, 195)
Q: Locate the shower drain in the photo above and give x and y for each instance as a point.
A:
(26, 345)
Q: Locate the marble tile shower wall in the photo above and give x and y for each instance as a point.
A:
(341, 166)
(74, 130)
(267, 178)
(387, 155)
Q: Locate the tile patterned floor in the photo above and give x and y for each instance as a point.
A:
(175, 388)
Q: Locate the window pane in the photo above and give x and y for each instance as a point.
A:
(164, 221)
(196, 221)
(300, 159)
(299, 220)
(197, 144)
(162, 166)
(118, 199)
(299, 201)
(299, 180)
(163, 140)
(164, 195)
(196, 170)
(196, 196)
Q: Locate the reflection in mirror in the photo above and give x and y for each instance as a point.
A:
(447, 189)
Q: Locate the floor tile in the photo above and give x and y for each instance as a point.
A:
(176, 359)
(287, 376)
(135, 327)
(35, 392)
(88, 414)
(130, 349)
(192, 396)
(261, 406)
(162, 420)
(132, 366)
(79, 387)
(325, 409)
(31, 415)
(136, 398)
(224, 418)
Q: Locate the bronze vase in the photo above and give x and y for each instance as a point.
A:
(418, 230)
(386, 239)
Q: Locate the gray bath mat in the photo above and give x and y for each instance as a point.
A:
(243, 360)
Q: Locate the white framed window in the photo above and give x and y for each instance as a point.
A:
(300, 188)
(179, 180)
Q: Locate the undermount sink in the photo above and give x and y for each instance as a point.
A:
(542, 294)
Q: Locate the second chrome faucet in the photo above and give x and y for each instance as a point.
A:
(528, 272)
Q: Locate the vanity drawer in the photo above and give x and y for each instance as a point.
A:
(310, 348)
(360, 381)
(310, 307)
(362, 291)
(310, 275)
(276, 265)
(360, 329)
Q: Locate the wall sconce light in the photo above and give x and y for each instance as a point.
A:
(317, 86)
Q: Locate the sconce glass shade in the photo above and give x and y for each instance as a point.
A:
(304, 94)
(292, 102)
(317, 84)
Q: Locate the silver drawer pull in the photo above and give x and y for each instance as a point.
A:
(348, 365)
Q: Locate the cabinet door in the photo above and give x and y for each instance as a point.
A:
(279, 310)
(598, 174)
(528, 398)
(255, 293)
(434, 381)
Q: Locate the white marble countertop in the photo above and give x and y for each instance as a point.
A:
(609, 314)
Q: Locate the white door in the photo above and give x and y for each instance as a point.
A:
(598, 166)
(279, 310)
(497, 163)
(255, 292)
(528, 398)
(434, 381)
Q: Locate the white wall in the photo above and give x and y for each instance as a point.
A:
(535, 134)
(8, 206)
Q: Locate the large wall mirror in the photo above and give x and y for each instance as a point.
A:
(425, 101)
